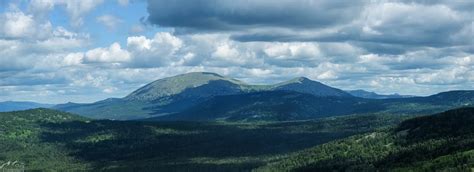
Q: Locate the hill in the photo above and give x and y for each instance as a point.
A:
(49, 140)
(21, 139)
(16, 105)
(440, 142)
(209, 96)
(273, 106)
(373, 95)
(178, 93)
(305, 85)
(290, 105)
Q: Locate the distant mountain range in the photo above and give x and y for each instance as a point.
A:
(373, 95)
(176, 94)
(21, 105)
(209, 96)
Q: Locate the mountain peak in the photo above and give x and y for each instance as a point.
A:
(308, 86)
(177, 84)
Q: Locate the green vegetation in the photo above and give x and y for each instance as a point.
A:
(21, 140)
(442, 142)
(51, 140)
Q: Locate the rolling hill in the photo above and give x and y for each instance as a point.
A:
(16, 105)
(273, 106)
(440, 142)
(373, 95)
(50, 140)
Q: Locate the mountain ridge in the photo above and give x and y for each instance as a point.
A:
(175, 94)
(21, 105)
(210, 96)
(373, 95)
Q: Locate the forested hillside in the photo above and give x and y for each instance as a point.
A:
(45, 139)
(441, 142)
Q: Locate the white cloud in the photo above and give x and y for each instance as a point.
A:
(379, 48)
(112, 54)
(73, 59)
(18, 25)
(158, 51)
(296, 51)
(75, 8)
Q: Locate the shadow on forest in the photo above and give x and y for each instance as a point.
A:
(179, 145)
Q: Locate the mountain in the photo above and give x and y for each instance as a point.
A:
(192, 85)
(209, 96)
(17, 105)
(290, 105)
(373, 95)
(439, 142)
(273, 106)
(176, 94)
(305, 85)
(163, 96)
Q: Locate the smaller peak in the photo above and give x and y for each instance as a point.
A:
(300, 79)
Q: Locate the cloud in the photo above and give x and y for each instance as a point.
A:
(112, 54)
(18, 25)
(230, 15)
(75, 9)
(376, 26)
(109, 21)
(73, 59)
(409, 47)
(154, 52)
(300, 52)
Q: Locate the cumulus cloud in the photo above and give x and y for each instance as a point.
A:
(376, 26)
(382, 46)
(75, 9)
(293, 50)
(157, 51)
(112, 54)
(18, 25)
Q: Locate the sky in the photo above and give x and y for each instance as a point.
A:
(57, 51)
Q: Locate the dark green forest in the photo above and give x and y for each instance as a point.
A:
(49, 140)
(46, 139)
(441, 142)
